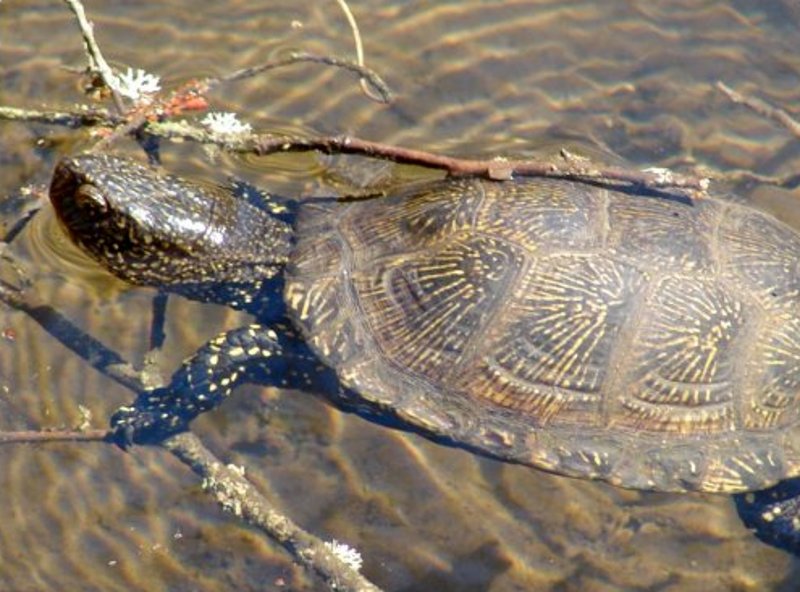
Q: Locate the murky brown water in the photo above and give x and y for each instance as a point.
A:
(472, 77)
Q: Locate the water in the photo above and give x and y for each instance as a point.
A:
(628, 78)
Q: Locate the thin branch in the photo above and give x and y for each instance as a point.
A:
(73, 119)
(496, 168)
(762, 108)
(351, 20)
(366, 74)
(569, 167)
(236, 495)
(87, 347)
(96, 60)
(791, 181)
(47, 436)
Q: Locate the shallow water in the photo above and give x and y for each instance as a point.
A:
(628, 78)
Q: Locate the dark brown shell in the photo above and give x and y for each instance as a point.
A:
(648, 342)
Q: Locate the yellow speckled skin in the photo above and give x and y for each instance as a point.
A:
(649, 342)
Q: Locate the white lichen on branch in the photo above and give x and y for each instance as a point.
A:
(225, 124)
(136, 85)
(345, 553)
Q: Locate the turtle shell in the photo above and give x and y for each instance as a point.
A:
(650, 342)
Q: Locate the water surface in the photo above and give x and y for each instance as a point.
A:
(627, 78)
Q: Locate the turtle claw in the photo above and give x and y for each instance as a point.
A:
(122, 436)
(126, 426)
(126, 437)
(139, 424)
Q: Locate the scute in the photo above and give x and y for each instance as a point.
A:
(415, 218)
(426, 310)
(681, 375)
(548, 355)
(762, 252)
(543, 214)
(660, 233)
(774, 378)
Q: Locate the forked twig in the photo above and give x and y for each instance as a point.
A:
(96, 60)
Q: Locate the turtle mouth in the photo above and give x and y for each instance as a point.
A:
(63, 185)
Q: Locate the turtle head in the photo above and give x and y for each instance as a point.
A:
(151, 228)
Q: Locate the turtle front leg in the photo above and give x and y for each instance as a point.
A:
(774, 514)
(249, 354)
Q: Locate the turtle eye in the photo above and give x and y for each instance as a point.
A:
(88, 196)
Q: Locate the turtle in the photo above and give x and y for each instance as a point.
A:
(607, 333)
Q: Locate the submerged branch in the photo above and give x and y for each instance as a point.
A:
(235, 494)
(228, 491)
(87, 347)
(762, 108)
(47, 436)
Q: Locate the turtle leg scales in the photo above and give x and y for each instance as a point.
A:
(204, 380)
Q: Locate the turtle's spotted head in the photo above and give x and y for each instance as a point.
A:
(87, 198)
(100, 202)
(151, 228)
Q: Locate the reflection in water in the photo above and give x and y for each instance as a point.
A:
(628, 77)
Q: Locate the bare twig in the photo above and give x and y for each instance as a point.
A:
(47, 436)
(96, 60)
(791, 181)
(780, 116)
(762, 108)
(496, 168)
(82, 118)
(351, 20)
(384, 93)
